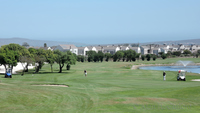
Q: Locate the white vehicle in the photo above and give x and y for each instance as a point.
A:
(181, 75)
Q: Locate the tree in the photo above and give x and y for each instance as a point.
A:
(148, 56)
(25, 59)
(11, 54)
(177, 53)
(82, 58)
(198, 53)
(118, 56)
(143, 57)
(138, 56)
(108, 56)
(154, 57)
(8, 59)
(169, 53)
(133, 58)
(31, 59)
(96, 57)
(25, 44)
(161, 53)
(124, 56)
(187, 52)
(101, 55)
(60, 58)
(39, 59)
(131, 55)
(63, 58)
(45, 44)
(163, 56)
(78, 58)
(71, 59)
(50, 58)
(90, 55)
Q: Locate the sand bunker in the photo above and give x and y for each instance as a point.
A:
(52, 85)
(196, 80)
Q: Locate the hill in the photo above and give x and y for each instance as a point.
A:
(40, 43)
(34, 43)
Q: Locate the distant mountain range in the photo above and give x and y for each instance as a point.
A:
(40, 43)
(34, 43)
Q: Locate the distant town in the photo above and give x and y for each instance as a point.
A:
(112, 49)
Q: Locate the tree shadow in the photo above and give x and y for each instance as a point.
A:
(2, 73)
(42, 72)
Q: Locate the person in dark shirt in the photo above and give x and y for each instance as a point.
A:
(164, 75)
(85, 73)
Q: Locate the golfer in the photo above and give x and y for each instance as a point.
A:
(85, 73)
(164, 75)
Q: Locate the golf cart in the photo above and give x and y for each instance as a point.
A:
(8, 73)
(181, 75)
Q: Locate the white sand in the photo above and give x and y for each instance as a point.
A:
(196, 80)
(51, 85)
(16, 68)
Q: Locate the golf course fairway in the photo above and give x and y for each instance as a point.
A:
(110, 87)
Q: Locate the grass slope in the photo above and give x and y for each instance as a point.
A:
(110, 87)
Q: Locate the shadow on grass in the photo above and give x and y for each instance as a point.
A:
(42, 72)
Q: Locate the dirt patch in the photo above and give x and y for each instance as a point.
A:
(137, 66)
(196, 80)
(52, 85)
(138, 100)
(4, 84)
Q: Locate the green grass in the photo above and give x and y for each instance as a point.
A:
(110, 87)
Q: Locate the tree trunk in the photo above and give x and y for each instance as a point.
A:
(5, 68)
(61, 66)
(11, 69)
(37, 69)
(23, 69)
(68, 67)
(60, 70)
(23, 72)
(51, 68)
(26, 67)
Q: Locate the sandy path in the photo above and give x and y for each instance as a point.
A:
(196, 80)
(137, 66)
(52, 85)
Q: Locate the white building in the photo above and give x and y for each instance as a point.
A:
(111, 49)
(194, 48)
(123, 48)
(92, 48)
(64, 48)
(144, 50)
(136, 49)
(82, 50)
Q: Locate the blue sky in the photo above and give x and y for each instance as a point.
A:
(100, 21)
